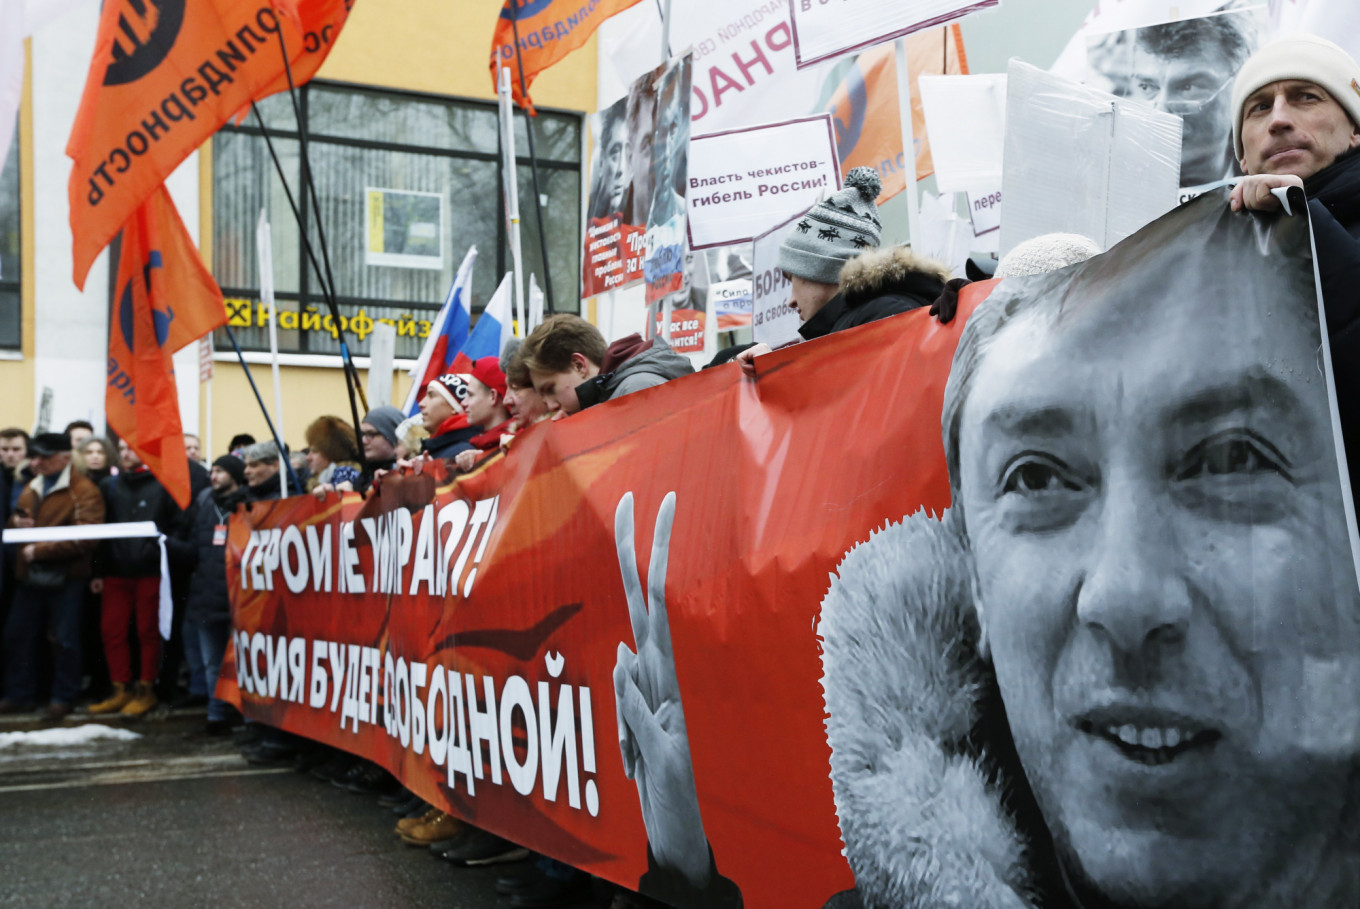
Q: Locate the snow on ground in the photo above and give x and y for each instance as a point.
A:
(65, 736)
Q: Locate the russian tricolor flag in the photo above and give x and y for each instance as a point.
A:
(447, 340)
(494, 328)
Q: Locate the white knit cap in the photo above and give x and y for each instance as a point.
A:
(1043, 254)
(1304, 57)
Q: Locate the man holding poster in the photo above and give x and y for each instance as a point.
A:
(1123, 668)
(1297, 106)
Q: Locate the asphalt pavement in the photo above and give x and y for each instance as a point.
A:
(174, 819)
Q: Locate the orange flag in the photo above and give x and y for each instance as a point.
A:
(548, 31)
(865, 110)
(164, 299)
(166, 74)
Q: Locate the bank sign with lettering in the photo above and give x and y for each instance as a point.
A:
(744, 181)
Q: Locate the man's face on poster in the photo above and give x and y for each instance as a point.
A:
(614, 160)
(641, 126)
(1198, 89)
(1164, 578)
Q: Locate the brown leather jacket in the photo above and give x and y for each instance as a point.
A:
(73, 500)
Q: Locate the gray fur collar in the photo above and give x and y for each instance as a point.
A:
(922, 817)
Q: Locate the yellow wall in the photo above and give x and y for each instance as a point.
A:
(444, 46)
(308, 393)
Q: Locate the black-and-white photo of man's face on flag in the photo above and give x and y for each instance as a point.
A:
(1125, 665)
(1184, 68)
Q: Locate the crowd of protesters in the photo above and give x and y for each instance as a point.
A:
(1296, 125)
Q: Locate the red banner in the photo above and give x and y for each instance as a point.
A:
(164, 77)
(507, 583)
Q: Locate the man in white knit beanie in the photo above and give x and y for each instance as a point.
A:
(1297, 124)
(1296, 106)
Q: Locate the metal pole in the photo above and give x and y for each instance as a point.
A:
(283, 452)
(533, 161)
(264, 252)
(510, 182)
(908, 140)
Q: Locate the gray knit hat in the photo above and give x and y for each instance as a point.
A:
(834, 230)
(385, 419)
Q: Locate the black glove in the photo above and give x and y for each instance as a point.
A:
(947, 303)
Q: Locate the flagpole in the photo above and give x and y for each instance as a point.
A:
(510, 184)
(352, 385)
(533, 158)
(346, 361)
(283, 452)
(264, 253)
(908, 140)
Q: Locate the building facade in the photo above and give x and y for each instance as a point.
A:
(403, 149)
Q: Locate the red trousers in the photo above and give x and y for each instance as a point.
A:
(124, 600)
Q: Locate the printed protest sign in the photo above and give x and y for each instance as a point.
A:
(620, 168)
(638, 161)
(745, 72)
(774, 321)
(624, 642)
(666, 241)
(744, 181)
(823, 29)
(730, 303)
(984, 210)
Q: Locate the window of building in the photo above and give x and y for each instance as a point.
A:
(405, 184)
(11, 310)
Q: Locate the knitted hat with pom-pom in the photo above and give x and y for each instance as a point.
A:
(834, 230)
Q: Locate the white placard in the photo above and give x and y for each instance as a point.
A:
(966, 121)
(828, 28)
(744, 181)
(1079, 160)
(774, 321)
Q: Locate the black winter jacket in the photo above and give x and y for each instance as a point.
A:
(1334, 206)
(139, 496)
(875, 285)
(270, 489)
(449, 445)
(208, 600)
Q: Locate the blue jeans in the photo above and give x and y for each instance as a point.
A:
(193, 656)
(212, 639)
(57, 609)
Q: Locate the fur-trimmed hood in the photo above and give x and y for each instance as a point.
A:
(891, 270)
(928, 792)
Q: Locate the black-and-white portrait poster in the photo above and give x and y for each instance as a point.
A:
(1184, 67)
(1123, 667)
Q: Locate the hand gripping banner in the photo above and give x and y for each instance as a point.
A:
(748, 643)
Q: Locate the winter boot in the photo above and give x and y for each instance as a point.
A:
(114, 702)
(143, 699)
